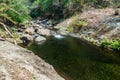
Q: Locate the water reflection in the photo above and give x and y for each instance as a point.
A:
(79, 60)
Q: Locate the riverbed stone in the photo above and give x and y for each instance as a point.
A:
(29, 30)
(45, 32)
(37, 25)
(26, 37)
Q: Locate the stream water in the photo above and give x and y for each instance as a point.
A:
(75, 59)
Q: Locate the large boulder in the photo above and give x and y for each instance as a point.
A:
(17, 63)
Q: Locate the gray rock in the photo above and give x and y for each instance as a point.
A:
(37, 25)
(40, 40)
(29, 30)
(10, 40)
(44, 32)
(102, 37)
(63, 32)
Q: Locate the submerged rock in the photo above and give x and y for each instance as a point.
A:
(17, 63)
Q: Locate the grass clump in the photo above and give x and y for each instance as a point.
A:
(114, 44)
(76, 24)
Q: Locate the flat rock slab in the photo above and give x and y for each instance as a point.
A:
(17, 63)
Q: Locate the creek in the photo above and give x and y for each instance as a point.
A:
(76, 59)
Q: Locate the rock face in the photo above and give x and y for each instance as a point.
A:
(17, 63)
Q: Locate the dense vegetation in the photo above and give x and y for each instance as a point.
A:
(18, 11)
(69, 7)
(14, 11)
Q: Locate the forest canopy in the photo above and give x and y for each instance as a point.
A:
(17, 11)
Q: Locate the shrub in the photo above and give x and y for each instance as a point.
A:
(76, 24)
(105, 43)
(114, 44)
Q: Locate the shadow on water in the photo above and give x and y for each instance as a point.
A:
(79, 60)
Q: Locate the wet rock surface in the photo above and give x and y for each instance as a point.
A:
(17, 63)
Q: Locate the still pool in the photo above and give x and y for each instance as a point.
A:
(75, 59)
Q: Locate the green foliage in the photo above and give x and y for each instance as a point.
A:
(76, 5)
(114, 44)
(64, 5)
(70, 29)
(70, 7)
(116, 3)
(81, 23)
(3, 8)
(14, 10)
(105, 43)
(76, 24)
(44, 5)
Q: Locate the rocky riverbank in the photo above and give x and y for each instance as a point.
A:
(93, 25)
(37, 30)
(101, 24)
(98, 26)
(17, 63)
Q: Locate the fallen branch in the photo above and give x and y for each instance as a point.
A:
(5, 27)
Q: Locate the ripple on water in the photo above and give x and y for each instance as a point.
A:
(58, 36)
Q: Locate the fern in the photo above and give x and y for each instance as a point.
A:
(8, 18)
(14, 10)
(3, 8)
